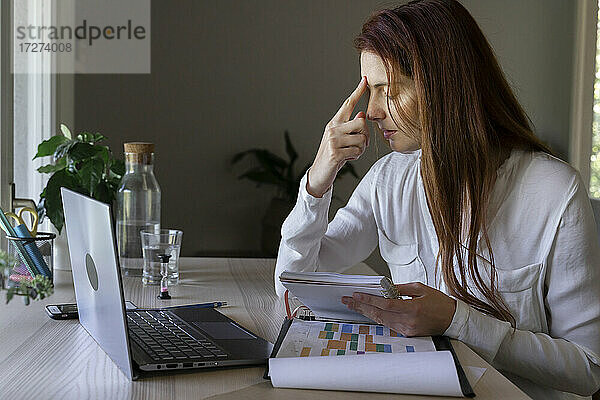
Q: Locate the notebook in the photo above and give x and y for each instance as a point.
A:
(322, 292)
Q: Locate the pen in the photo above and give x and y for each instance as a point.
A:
(33, 251)
(213, 304)
(8, 228)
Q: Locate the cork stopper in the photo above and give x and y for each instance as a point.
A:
(139, 152)
(139, 147)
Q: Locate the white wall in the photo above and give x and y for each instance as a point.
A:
(230, 75)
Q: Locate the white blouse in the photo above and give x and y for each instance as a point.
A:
(545, 248)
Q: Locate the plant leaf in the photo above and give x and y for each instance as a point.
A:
(265, 157)
(66, 131)
(118, 167)
(291, 192)
(48, 147)
(90, 138)
(90, 174)
(53, 200)
(271, 162)
(80, 165)
(104, 153)
(84, 137)
(289, 149)
(40, 208)
(82, 151)
(63, 149)
(60, 164)
(261, 176)
(237, 157)
(104, 193)
(10, 293)
(302, 173)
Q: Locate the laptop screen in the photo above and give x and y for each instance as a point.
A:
(96, 276)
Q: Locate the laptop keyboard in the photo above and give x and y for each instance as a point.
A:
(165, 340)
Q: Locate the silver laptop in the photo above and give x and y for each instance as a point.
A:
(143, 340)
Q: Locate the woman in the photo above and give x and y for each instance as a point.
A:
(491, 235)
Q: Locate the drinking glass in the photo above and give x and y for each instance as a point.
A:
(165, 241)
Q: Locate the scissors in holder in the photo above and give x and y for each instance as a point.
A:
(20, 221)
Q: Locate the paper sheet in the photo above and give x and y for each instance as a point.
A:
(326, 301)
(318, 338)
(427, 373)
(331, 278)
(361, 357)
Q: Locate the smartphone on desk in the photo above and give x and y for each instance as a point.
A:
(69, 311)
(62, 311)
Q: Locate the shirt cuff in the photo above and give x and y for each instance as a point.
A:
(459, 320)
(481, 332)
(309, 198)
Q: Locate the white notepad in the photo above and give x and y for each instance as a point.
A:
(322, 292)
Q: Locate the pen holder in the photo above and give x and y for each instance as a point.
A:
(37, 249)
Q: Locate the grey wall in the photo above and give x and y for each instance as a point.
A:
(230, 75)
(534, 41)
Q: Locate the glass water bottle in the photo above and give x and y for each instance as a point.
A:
(138, 205)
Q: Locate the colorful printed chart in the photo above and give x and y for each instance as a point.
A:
(316, 338)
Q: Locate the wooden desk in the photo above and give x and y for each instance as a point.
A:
(41, 358)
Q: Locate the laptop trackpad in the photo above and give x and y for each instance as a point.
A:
(223, 330)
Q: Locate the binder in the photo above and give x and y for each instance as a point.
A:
(441, 343)
(341, 349)
(430, 355)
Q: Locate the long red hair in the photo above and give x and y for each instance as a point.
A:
(467, 115)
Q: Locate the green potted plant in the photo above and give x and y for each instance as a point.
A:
(277, 172)
(37, 288)
(79, 163)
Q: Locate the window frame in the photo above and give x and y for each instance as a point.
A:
(60, 88)
(582, 99)
(6, 110)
